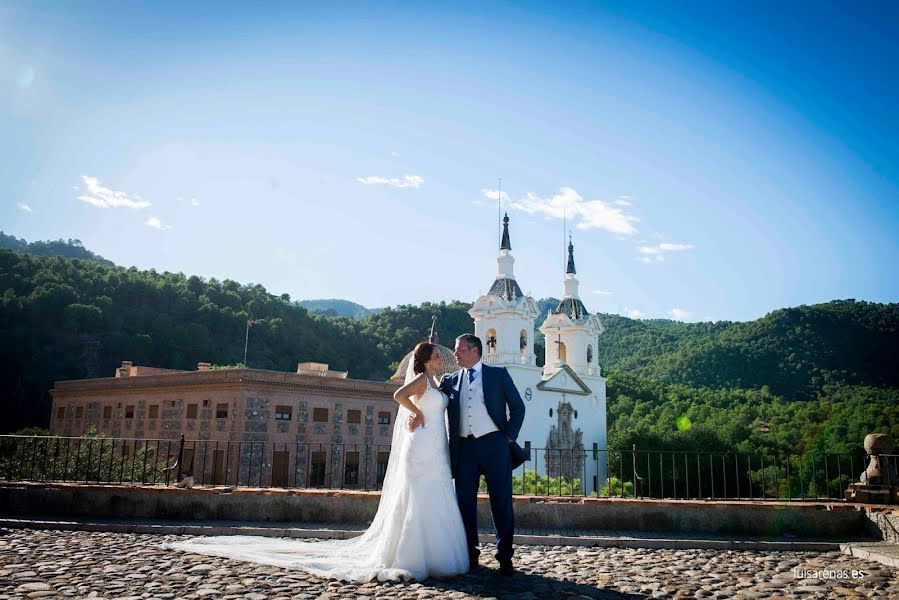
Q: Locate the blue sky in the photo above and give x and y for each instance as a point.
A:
(714, 162)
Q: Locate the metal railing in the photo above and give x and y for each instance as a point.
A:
(690, 475)
(634, 473)
(87, 459)
(244, 463)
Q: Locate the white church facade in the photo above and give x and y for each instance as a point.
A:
(565, 400)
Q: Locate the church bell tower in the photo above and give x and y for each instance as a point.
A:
(571, 331)
(504, 317)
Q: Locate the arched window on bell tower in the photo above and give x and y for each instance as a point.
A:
(590, 354)
(523, 342)
(491, 341)
(563, 355)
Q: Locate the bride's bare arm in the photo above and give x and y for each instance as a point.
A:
(416, 387)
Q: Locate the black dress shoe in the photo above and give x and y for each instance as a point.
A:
(506, 569)
(473, 563)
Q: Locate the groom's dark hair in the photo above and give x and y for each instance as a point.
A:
(473, 341)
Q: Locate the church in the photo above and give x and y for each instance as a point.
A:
(565, 400)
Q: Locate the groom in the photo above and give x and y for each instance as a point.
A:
(480, 438)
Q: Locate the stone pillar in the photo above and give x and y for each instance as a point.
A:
(879, 483)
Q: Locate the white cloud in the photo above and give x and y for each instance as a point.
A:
(623, 201)
(155, 223)
(589, 214)
(633, 313)
(96, 194)
(602, 292)
(194, 202)
(678, 314)
(651, 254)
(675, 247)
(407, 181)
(494, 194)
(23, 207)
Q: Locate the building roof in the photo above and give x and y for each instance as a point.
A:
(449, 358)
(506, 288)
(449, 364)
(573, 307)
(223, 378)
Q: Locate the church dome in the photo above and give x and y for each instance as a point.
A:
(506, 288)
(573, 307)
(449, 364)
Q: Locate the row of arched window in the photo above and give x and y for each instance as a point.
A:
(523, 346)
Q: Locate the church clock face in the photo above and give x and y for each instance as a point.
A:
(528, 393)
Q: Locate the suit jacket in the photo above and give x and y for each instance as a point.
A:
(500, 394)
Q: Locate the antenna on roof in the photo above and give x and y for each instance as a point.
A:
(499, 211)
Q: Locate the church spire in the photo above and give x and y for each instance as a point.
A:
(571, 283)
(505, 244)
(570, 268)
(433, 338)
(505, 285)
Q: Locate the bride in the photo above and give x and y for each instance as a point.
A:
(417, 531)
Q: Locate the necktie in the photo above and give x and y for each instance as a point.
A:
(471, 375)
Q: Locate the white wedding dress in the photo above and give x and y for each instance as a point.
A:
(416, 533)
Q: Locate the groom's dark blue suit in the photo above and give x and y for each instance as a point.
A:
(487, 455)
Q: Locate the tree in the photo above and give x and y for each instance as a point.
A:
(82, 317)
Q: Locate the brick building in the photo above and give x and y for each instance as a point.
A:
(311, 428)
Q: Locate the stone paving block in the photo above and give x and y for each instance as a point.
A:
(886, 553)
(543, 572)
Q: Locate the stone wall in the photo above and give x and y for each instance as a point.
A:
(883, 523)
(805, 519)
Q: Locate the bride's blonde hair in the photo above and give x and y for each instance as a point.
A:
(421, 355)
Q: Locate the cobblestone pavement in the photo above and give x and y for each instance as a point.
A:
(67, 564)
